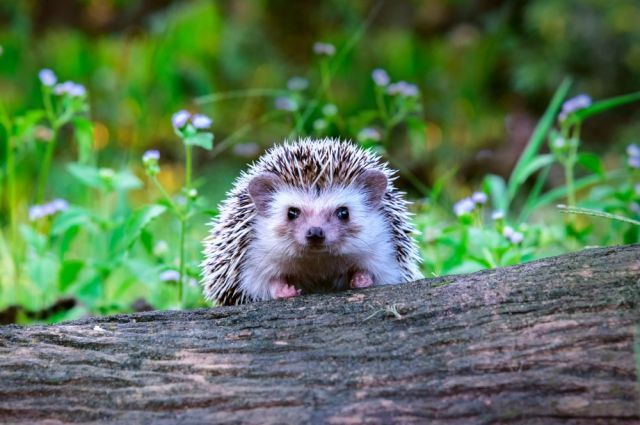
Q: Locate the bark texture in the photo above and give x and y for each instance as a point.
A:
(546, 342)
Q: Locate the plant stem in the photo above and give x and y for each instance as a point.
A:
(13, 216)
(183, 228)
(568, 172)
(188, 162)
(46, 166)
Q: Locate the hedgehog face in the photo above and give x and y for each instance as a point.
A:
(335, 220)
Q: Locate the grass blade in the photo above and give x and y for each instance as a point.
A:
(595, 213)
(604, 105)
(537, 139)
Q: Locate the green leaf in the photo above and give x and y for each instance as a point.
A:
(25, 124)
(497, 189)
(72, 217)
(417, 132)
(84, 138)
(69, 273)
(88, 287)
(591, 162)
(204, 140)
(124, 236)
(534, 165)
(35, 241)
(604, 105)
(42, 271)
(537, 139)
(86, 175)
(581, 183)
(125, 180)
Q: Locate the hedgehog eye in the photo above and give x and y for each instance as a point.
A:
(342, 213)
(293, 213)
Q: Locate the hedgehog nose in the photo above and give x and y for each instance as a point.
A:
(315, 234)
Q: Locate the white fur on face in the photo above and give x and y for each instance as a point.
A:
(280, 250)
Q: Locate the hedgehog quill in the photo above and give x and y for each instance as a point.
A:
(317, 215)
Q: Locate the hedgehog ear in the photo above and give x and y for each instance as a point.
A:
(375, 184)
(261, 189)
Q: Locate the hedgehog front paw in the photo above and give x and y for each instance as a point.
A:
(361, 280)
(280, 289)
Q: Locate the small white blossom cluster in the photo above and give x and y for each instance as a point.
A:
(575, 103)
(286, 104)
(324, 49)
(151, 156)
(403, 88)
(380, 77)
(49, 79)
(37, 212)
(512, 235)
(369, 134)
(174, 276)
(170, 276)
(199, 121)
(467, 205)
(297, 84)
(497, 215)
(150, 161)
(634, 156)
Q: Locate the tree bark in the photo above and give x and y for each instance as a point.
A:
(550, 341)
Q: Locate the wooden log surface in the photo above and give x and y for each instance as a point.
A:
(550, 341)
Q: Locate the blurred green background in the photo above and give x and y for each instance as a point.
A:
(486, 71)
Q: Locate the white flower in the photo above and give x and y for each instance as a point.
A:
(329, 110)
(369, 134)
(634, 161)
(633, 150)
(286, 104)
(246, 150)
(513, 236)
(508, 231)
(160, 248)
(479, 197)
(170, 276)
(516, 238)
(36, 212)
(574, 104)
(39, 211)
(463, 206)
(497, 215)
(180, 118)
(70, 88)
(380, 77)
(59, 204)
(297, 83)
(320, 124)
(201, 122)
(403, 88)
(559, 142)
(324, 49)
(47, 77)
(151, 155)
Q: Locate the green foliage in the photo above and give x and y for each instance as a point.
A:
(83, 217)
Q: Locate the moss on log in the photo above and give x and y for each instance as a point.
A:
(544, 342)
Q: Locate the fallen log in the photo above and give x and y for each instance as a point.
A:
(550, 341)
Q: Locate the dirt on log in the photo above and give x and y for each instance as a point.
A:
(550, 341)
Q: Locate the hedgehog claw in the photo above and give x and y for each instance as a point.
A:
(361, 280)
(280, 289)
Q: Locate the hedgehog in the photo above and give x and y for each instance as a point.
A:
(312, 216)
